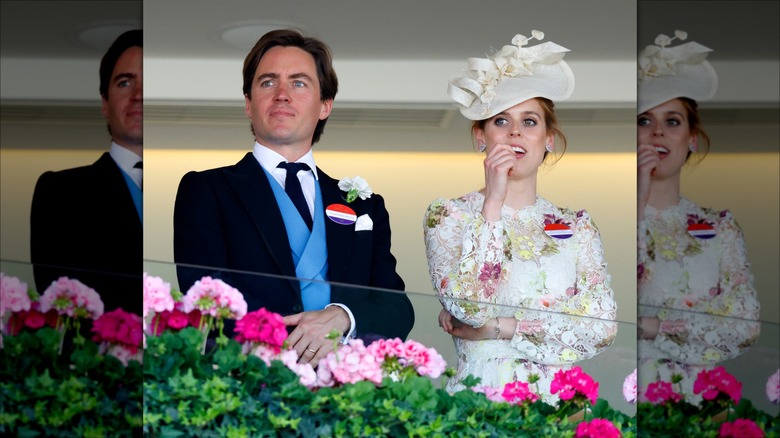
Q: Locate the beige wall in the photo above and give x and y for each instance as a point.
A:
(602, 183)
(410, 181)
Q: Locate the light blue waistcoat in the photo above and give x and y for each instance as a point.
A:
(137, 194)
(309, 248)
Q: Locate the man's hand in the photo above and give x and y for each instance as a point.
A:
(309, 336)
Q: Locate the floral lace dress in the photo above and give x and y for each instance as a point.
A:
(556, 287)
(693, 275)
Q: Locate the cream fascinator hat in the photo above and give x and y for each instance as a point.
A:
(512, 75)
(666, 73)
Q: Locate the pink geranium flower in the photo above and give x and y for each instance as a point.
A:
(718, 381)
(660, 392)
(13, 296)
(350, 363)
(597, 428)
(740, 428)
(773, 387)
(383, 348)
(72, 298)
(119, 328)
(519, 393)
(157, 295)
(395, 354)
(32, 318)
(174, 320)
(263, 327)
(306, 374)
(124, 354)
(264, 352)
(492, 394)
(629, 387)
(215, 298)
(574, 383)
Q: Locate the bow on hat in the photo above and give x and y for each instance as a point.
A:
(666, 73)
(660, 60)
(475, 90)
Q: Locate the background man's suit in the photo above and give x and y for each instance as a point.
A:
(228, 218)
(84, 225)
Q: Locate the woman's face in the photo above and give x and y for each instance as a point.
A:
(522, 127)
(666, 128)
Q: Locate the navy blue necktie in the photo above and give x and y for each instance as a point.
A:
(293, 188)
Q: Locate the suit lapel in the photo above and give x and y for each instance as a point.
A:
(339, 237)
(108, 172)
(252, 187)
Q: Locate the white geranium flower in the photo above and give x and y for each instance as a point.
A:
(355, 187)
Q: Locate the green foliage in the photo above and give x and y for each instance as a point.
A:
(685, 419)
(84, 393)
(224, 393)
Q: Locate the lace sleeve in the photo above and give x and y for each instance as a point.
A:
(581, 325)
(724, 325)
(467, 259)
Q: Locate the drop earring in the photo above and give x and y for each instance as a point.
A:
(549, 148)
(482, 147)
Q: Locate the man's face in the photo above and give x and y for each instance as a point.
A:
(285, 101)
(123, 107)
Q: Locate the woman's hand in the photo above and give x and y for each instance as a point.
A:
(647, 163)
(456, 328)
(499, 164)
(648, 327)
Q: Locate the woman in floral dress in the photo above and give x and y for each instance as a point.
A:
(523, 282)
(698, 306)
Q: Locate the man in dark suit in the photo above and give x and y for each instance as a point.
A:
(268, 225)
(85, 222)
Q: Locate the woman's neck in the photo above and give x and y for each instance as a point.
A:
(521, 193)
(664, 193)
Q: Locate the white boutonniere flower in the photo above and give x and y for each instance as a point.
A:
(355, 187)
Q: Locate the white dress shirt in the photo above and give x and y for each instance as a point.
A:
(269, 159)
(126, 160)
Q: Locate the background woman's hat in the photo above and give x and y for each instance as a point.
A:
(512, 75)
(666, 73)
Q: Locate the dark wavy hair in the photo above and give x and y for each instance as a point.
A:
(323, 61)
(696, 128)
(131, 38)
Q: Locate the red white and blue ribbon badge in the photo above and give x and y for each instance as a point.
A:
(341, 214)
(702, 231)
(558, 231)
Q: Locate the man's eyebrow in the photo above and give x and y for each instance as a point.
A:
(124, 76)
(292, 76)
(301, 75)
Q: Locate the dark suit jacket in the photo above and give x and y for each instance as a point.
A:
(228, 218)
(84, 225)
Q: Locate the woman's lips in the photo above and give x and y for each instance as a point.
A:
(662, 150)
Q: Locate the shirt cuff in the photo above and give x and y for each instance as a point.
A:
(351, 331)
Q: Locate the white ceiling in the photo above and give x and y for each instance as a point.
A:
(398, 29)
(377, 45)
(426, 38)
